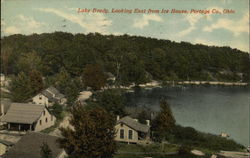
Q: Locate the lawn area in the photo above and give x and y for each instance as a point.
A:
(156, 147)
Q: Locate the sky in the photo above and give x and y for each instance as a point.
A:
(217, 27)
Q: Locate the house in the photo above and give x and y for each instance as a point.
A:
(5, 146)
(4, 106)
(24, 117)
(49, 96)
(29, 146)
(131, 131)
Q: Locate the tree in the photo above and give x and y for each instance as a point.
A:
(36, 81)
(92, 133)
(112, 100)
(20, 87)
(142, 117)
(164, 122)
(94, 77)
(29, 61)
(63, 78)
(45, 151)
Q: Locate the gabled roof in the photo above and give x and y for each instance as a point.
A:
(52, 90)
(134, 124)
(23, 113)
(29, 146)
(6, 104)
(52, 94)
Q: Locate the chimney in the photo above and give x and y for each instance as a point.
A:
(148, 122)
(117, 117)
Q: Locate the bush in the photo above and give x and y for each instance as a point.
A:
(57, 110)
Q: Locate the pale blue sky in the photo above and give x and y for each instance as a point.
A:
(34, 16)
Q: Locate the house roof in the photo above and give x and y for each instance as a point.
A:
(52, 90)
(6, 104)
(29, 146)
(134, 124)
(52, 94)
(23, 113)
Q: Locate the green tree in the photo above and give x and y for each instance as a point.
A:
(92, 135)
(112, 100)
(63, 79)
(164, 122)
(57, 110)
(29, 61)
(72, 92)
(45, 151)
(36, 81)
(20, 87)
(142, 117)
(94, 77)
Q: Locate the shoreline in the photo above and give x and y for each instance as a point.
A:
(173, 83)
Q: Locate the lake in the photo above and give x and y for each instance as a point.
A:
(207, 109)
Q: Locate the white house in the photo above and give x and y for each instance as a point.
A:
(24, 117)
(131, 131)
(29, 146)
(49, 96)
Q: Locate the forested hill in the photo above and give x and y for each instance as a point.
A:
(130, 58)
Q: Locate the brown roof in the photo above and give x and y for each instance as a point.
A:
(134, 124)
(23, 113)
(29, 146)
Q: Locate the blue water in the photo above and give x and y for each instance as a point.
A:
(208, 109)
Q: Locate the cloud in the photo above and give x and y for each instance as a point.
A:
(236, 27)
(141, 23)
(30, 22)
(91, 22)
(186, 31)
(11, 30)
(22, 24)
(193, 19)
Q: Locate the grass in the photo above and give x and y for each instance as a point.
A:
(156, 147)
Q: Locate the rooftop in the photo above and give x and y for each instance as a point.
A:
(29, 146)
(134, 124)
(23, 113)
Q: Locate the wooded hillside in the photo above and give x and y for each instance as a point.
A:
(129, 58)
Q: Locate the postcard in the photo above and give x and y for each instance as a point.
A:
(123, 79)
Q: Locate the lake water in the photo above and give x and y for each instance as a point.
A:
(208, 109)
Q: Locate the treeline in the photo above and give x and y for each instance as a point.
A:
(132, 59)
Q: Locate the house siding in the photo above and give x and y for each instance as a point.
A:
(41, 99)
(50, 122)
(126, 129)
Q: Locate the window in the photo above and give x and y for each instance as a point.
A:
(46, 120)
(40, 97)
(51, 118)
(130, 134)
(122, 133)
(43, 113)
(40, 122)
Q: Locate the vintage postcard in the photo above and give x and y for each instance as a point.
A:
(125, 79)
